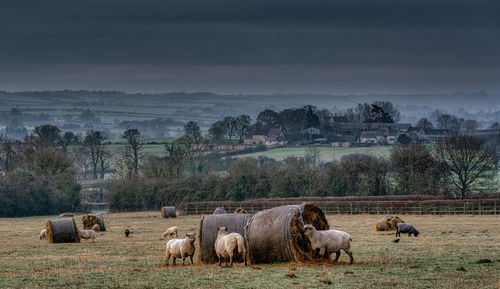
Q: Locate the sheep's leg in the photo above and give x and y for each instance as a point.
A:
(183, 258)
(337, 256)
(230, 260)
(173, 261)
(322, 252)
(350, 256)
(225, 261)
(220, 261)
(168, 257)
(191, 259)
(409, 234)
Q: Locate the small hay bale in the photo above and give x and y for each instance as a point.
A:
(62, 231)
(207, 233)
(220, 210)
(168, 212)
(276, 235)
(66, 215)
(388, 223)
(90, 220)
(240, 211)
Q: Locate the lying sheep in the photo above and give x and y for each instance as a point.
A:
(226, 244)
(171, 232)
(181, 248)
(43, 234)
(96, 228)
(406, 228)
(87, 234)
(329, 241)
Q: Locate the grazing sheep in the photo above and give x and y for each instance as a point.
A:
(181, 248)
(329, 241)
(406, 228)
(87, 234)
(127, 232)
(226, 244)
(43, 234)
(96, 228)
(171, 232)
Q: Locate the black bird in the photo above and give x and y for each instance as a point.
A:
(127, 232)
(395, 241)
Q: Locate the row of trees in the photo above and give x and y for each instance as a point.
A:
(456, 167)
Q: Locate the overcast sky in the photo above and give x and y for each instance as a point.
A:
(263, 46)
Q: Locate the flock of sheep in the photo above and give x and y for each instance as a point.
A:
(230, 244)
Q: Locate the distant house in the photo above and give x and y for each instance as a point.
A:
(310, 132)
(333, 118)
(380, 136)
(274, 137)
(369, 137)
(16, 130)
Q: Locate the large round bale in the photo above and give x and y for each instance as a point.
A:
(220, 210)
(207, 233)
(276, 235)
(240, 211)
(388, 223)
(168, 212)
(90, 220)
(62, 231)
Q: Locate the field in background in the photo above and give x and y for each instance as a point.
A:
(446, 243)
(326, 154)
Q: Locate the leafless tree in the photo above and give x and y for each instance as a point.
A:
(470, 165)
(93, 145)
(132, 150)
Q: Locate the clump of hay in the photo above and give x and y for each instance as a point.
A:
(220, 210)
(207, 233)
(388, 223)
(168, 212)
(240, 211)
(276, 235)
(66, 215)
(90, 220)
(62, 231)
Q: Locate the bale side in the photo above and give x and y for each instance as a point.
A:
(388, 223)
(301, 247)
(66, 215)
(240, 211)
(220, 210)
(62, 231)
(168, 212)
(207, 233)
(267, 235)
(88, 221)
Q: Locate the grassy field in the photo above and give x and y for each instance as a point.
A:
(325, 153)
(429, 261)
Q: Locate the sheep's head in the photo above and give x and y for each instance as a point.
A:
(191, 237)
(222, 231)
(416, 233)
(309, 230)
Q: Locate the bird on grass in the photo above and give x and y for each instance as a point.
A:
(395, 241)
(127, 232)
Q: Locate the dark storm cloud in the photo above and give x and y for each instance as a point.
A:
(340, 35)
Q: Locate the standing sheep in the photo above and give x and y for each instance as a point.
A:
(43, 234)
(181, 248)
(171, 232)
(406, 228)
(329, 241)
(87, 234)
(226, 244)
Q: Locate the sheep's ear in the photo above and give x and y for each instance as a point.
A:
(187, 234)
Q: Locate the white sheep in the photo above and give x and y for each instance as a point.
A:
(96, 228)
(226, 244)
(181, 248)
(87, 234)
(329, 241)
(43, 234)
(171, 232)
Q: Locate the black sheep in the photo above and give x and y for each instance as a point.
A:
(406, 228)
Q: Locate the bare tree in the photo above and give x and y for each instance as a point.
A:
(48, 136)
(132, 150)
(470, 164)
(94, 148)
(424, 123)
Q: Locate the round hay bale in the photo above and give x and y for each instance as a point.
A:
(207, 233)
(66, 215)
(90, 220)
(388, 223)
(276, 235)
(168, 212)
(240, 211)
(220, 210)
(62, 231)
